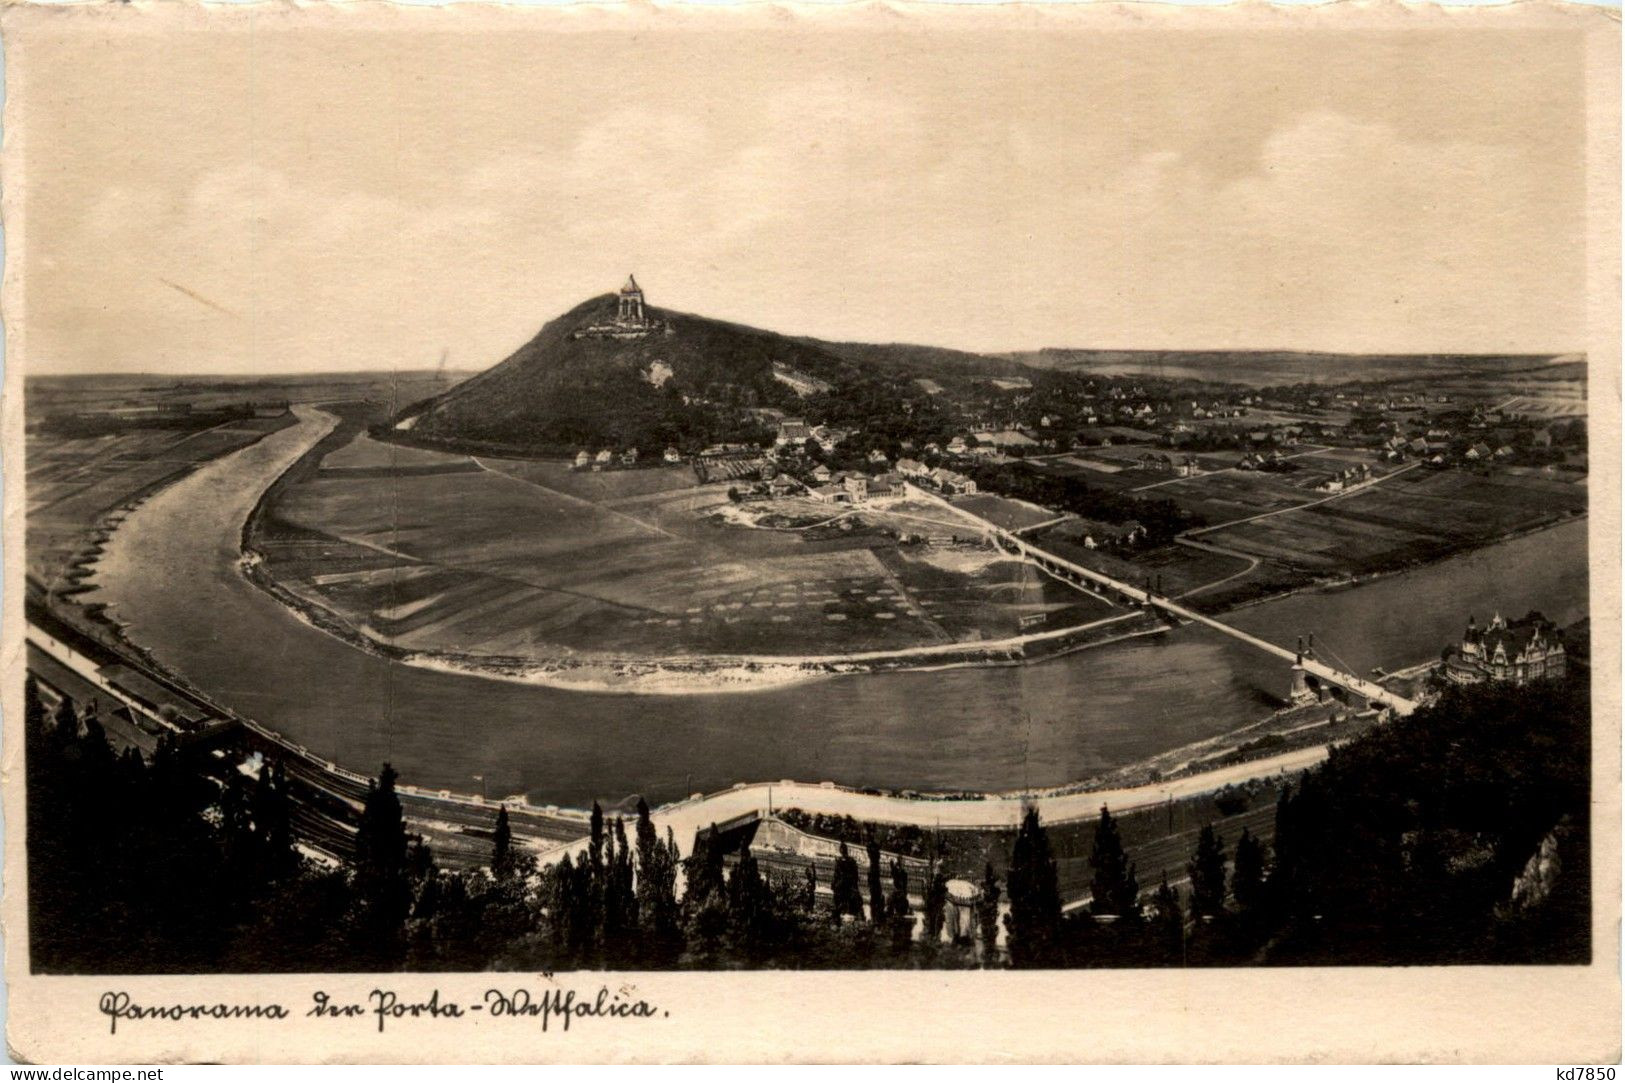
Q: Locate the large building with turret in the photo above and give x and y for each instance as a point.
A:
(1514, 652)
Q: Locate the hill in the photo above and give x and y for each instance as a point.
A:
(608, 375)
(1266, 368)
(585, 380)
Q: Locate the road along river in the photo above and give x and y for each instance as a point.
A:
(171, 574)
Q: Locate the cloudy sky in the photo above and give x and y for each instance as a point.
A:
(277, 198)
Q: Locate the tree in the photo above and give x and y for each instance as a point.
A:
(1034, 922)
(749, 904)
(936, 905)
(1114, 888)
(1247, 882)
(501, 844)
(381, 882)
(877, 898)
(620, 905)
(1207, 875)
(897, 908)
(34, 715)
(844, 886)
(987, 911)
(1170, 920)
(656, 883)
(704, 868)
(595, 839)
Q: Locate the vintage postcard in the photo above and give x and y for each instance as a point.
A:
(811, 533)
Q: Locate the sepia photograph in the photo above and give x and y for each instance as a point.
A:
(567, 493)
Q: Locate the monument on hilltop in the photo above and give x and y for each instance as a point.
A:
(632, 318)
(630, 312)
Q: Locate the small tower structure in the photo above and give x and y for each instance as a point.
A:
(629, 312)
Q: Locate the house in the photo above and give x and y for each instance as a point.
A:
(783, 486)
(885, 485)
(957, 446)
(582, 459)
(629, 457)
(878, 457)
(1333, 484)
(829, 494)
(1418, 446)
(857, 485)
(1154, 462)
(605, 457)
(821, 474)
(829, 438)
(950, 482)
(1514, 653)
(1189, 467)
(792, 431)
(1479, 452)
(673, 455)
(912, 468)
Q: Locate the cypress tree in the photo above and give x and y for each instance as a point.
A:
(844, 886)
(897, 908)
(1114, 888)
(1170, 920)
(1247, 882)
(1207, 875)
(381, 868)
(595, 840)
(279, 835)
(1034, 922)
(501, 844)
(877, 899)
(936, 905)
(987, 911)
(656, 880)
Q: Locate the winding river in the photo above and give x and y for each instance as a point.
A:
(171, 576)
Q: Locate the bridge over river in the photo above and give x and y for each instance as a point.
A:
(1304, 663)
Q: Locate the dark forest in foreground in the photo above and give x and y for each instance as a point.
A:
(1458, 835)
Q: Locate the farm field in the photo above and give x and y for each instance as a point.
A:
(1004, 511)
(51, 394)
(606, 487)
(525, 560)
(1181, 568)
(74, 483)
(1421, 515)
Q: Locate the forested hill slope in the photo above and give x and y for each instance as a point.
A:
(681, 383)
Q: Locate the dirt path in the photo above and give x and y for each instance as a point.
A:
(1360, 488)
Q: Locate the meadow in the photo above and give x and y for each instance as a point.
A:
(532, 560)
(1421, 515)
